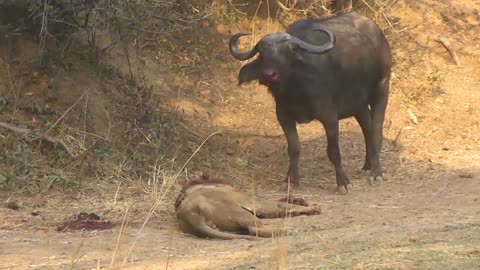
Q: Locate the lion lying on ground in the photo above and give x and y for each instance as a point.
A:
(210, 207)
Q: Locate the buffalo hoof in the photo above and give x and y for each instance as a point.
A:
(375, 180)
(344, 189)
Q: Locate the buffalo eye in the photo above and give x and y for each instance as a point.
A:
(294, 48)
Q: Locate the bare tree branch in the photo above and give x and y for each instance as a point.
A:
(50, 139)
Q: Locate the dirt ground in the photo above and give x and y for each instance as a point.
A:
(426, 215)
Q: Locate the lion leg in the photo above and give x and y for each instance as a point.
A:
(266, 209)
(269, 209)
(298, 210)
(198, 227)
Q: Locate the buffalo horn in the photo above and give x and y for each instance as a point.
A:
(235, 51)
(317, 49)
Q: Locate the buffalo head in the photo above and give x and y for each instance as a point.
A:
(277, 53)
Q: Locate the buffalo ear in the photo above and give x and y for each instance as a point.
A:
(249, 72)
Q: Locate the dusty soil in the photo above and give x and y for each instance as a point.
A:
(425, 216)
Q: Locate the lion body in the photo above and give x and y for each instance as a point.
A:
(212, 208)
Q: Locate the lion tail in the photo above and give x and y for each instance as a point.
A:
(202, 229)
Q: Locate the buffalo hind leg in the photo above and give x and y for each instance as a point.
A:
(364, 119)
(333, 152)
(379, 107)
(289, 128)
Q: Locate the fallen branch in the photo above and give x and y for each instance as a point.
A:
(56, 141)
(15, 129)
(282, 6)
(44, 137)
(444, 41)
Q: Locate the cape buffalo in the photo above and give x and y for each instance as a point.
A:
(325, 69)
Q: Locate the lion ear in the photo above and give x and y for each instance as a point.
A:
(182, 181)
(204, 176)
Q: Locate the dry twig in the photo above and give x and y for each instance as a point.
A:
(64, 114)
(446, 43)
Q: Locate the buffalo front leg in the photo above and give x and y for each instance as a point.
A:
(333, 152)
(289, 127)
